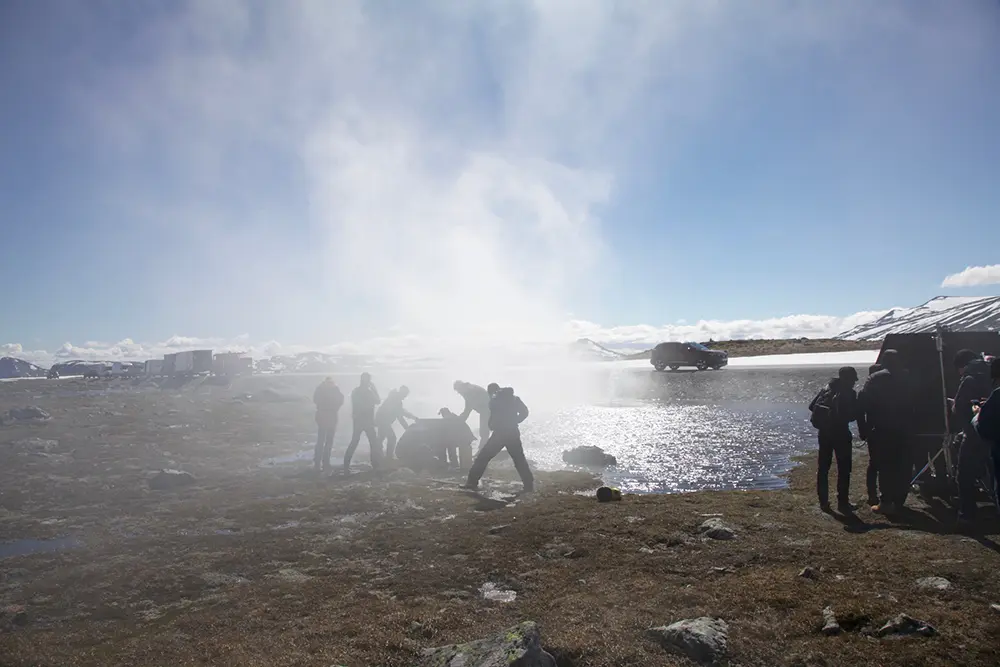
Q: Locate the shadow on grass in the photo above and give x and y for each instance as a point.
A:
(937, 519)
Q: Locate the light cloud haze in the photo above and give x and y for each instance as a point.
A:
(974, 276)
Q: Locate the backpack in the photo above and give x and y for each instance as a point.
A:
(824, 409)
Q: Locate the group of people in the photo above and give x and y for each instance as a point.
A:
(883, 410)
(500, 415)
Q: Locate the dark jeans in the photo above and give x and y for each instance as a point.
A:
(373, 443)
(996, 473)
(387, 434)
(973, 455)
(894, 463)
(497, 441)
(831, 444)
(324, 442)
(871, 476)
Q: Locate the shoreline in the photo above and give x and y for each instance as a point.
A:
(256, 565)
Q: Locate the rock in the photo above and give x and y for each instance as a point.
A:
(995, 607)
(934, 584)
(170, 479)
(588, 455)
(494, 593)
(496, 530)
(28, 414)
(830, 625)
(717, 530)
(906, 625)
(519, 646)
(809, 573)
(36, 445)
(705, 640)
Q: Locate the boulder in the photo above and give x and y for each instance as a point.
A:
(588, 455)
(704, 640)
(717, 530)
(830, 624)
(933, 584)
(167, 479)
(906, 625)
(519, 646)
(30, 413)
(809, 573)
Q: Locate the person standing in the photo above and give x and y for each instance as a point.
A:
(974, 386)
(884, 418)
(833, 409)
(507, 411)
(390, 411)
(477, 399)
(871, 474)
(364, 398)
(328, 399)
(987, 425)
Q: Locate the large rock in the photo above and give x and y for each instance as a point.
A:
(167, 479)
(906, 625)
(933, 584)
(519, 646)
(705, 640)
(588, 455)
(717, 530)
(28, 414)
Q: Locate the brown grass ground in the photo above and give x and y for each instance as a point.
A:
(259, 566)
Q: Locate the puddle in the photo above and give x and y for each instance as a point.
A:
(28, 547)
(494, 593)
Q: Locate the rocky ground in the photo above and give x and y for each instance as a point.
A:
(242, 562)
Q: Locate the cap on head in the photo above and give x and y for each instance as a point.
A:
(493, 388)
(404, 390)
(366, 377)
(847, 374)
(963, 357)
(889, 360)
(444, 412)
(458, 385)
(874, 368)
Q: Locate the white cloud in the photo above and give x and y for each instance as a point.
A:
(973, 276)
(404, 346)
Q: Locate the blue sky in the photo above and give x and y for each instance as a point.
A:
(309, 173)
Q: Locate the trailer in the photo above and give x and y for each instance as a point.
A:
(153, 367)
(169, 365)
(201, 361)
(229, 364)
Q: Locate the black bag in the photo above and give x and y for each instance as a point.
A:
(824, 408)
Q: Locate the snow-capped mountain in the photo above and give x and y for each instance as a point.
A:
(958, 313)
(19, 368)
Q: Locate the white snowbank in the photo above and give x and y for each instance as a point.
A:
(852, 358)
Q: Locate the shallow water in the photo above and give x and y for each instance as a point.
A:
(28, 547)
(733, 429)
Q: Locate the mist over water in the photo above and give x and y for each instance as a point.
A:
(671, 432)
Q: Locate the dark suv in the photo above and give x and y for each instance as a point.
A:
(675, 355)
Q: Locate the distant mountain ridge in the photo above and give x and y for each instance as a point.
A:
(19, 368)
(958, 313)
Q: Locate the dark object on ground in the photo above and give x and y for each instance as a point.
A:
(906, 625)
(28, 414)
(167, 479)
(704, 640)
(519, 646)
(588, 455)
(424, 445)
(675, 355)
(606, 494)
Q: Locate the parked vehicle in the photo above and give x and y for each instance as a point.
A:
(675, 355)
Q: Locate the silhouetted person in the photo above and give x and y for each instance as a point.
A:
(871, 474)
(328, 400)
(507, 411)
(987, 425)
(838, 405)
(364, 398)
(884, 419)
(390, 411)
(458, 440)
(477, 399)
(973, 452)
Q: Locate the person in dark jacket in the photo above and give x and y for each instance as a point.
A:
(884, 419)
(477, 400)
(973, 452)
(871, 474)
(987, 424)
(328, 400)
(507, 411)
(459, 440)
(835, 438)
(364, 398)
(391, 411)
